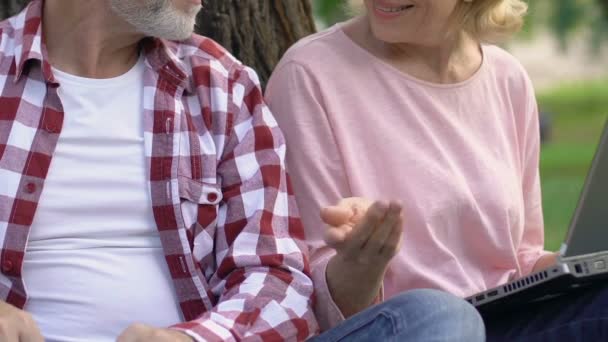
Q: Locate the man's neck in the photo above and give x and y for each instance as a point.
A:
(85, 38)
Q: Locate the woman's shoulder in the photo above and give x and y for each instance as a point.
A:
(317, 51)
(506, 67)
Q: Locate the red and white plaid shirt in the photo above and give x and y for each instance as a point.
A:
(220, 195)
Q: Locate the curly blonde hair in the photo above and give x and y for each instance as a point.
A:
(488, 21)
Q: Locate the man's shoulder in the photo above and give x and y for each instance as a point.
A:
(198, 50)
(9, 31)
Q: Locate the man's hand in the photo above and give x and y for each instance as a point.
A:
(366, 237)
(144, 333)
(17, 325)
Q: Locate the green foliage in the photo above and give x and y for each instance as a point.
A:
(566, 16)
(604, 7)
(330, 11)
(578, 112)
(531, 20)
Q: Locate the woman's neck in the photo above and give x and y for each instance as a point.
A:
(450, 61)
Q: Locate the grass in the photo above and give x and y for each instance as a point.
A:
(578, 112)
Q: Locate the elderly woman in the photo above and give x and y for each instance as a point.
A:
(410, 101)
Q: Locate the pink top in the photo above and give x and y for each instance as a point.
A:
(463, 159)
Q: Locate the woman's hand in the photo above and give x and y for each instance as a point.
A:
(366, 237)
(545, 262)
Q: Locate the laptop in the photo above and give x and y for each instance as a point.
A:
(583, 257)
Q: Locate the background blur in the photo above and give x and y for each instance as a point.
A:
(564, 48)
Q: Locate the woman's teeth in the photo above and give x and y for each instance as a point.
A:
(394, 9)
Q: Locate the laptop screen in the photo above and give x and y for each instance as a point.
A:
(588, 231)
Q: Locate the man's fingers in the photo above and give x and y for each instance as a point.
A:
(336, 216)
(123, 337)
(363, 230)
(379, 238)
(133, 333)
(31, 336)
(19, 326)
(34, 331)
(8, 333)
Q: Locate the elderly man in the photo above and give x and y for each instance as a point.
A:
(143, 195)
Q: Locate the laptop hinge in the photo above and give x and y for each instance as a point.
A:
(562, 259)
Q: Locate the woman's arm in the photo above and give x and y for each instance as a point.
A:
(317, 171)
(531, 254)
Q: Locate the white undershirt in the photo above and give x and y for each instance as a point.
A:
(94, 262)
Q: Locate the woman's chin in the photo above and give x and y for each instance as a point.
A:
(389, 36)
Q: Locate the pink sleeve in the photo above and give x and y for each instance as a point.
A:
(531, 247)
(315, 166)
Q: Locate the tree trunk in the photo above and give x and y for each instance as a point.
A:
(257, 32)
(11, 7)
(604, 5)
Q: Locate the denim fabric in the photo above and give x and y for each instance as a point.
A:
(414, 316)
(579, 316)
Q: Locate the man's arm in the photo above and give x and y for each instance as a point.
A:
(262, 277)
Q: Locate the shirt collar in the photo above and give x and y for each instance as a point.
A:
(29, 44)
(166, 59)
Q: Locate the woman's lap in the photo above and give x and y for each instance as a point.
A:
(418, 315)
(581, 315)
(423, 315)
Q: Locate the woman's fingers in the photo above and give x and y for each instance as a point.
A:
(365, 228)
(362, 231)
(380, 236)
(336, 216)
(393, 242)
(335, 236)
(358, 205)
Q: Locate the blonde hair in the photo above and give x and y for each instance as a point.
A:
(488, 21)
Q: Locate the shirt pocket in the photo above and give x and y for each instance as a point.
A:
(199, 204)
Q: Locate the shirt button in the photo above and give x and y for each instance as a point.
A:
(30, 188)
(168, 128)
(7, 266)
(212, 197)
(51, 129)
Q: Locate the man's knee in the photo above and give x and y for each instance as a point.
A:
(438, 314)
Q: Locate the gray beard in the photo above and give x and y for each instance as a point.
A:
(156, 18)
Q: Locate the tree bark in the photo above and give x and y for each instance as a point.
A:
(604, 5)
(258, 32)
(11, 7)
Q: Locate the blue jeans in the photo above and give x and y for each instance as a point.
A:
(414, 316)
(577, 316)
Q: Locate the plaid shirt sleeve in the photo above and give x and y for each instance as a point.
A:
(262, 276)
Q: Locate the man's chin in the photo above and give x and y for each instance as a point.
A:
(180, 37)
(194, 11)
(180, 30)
